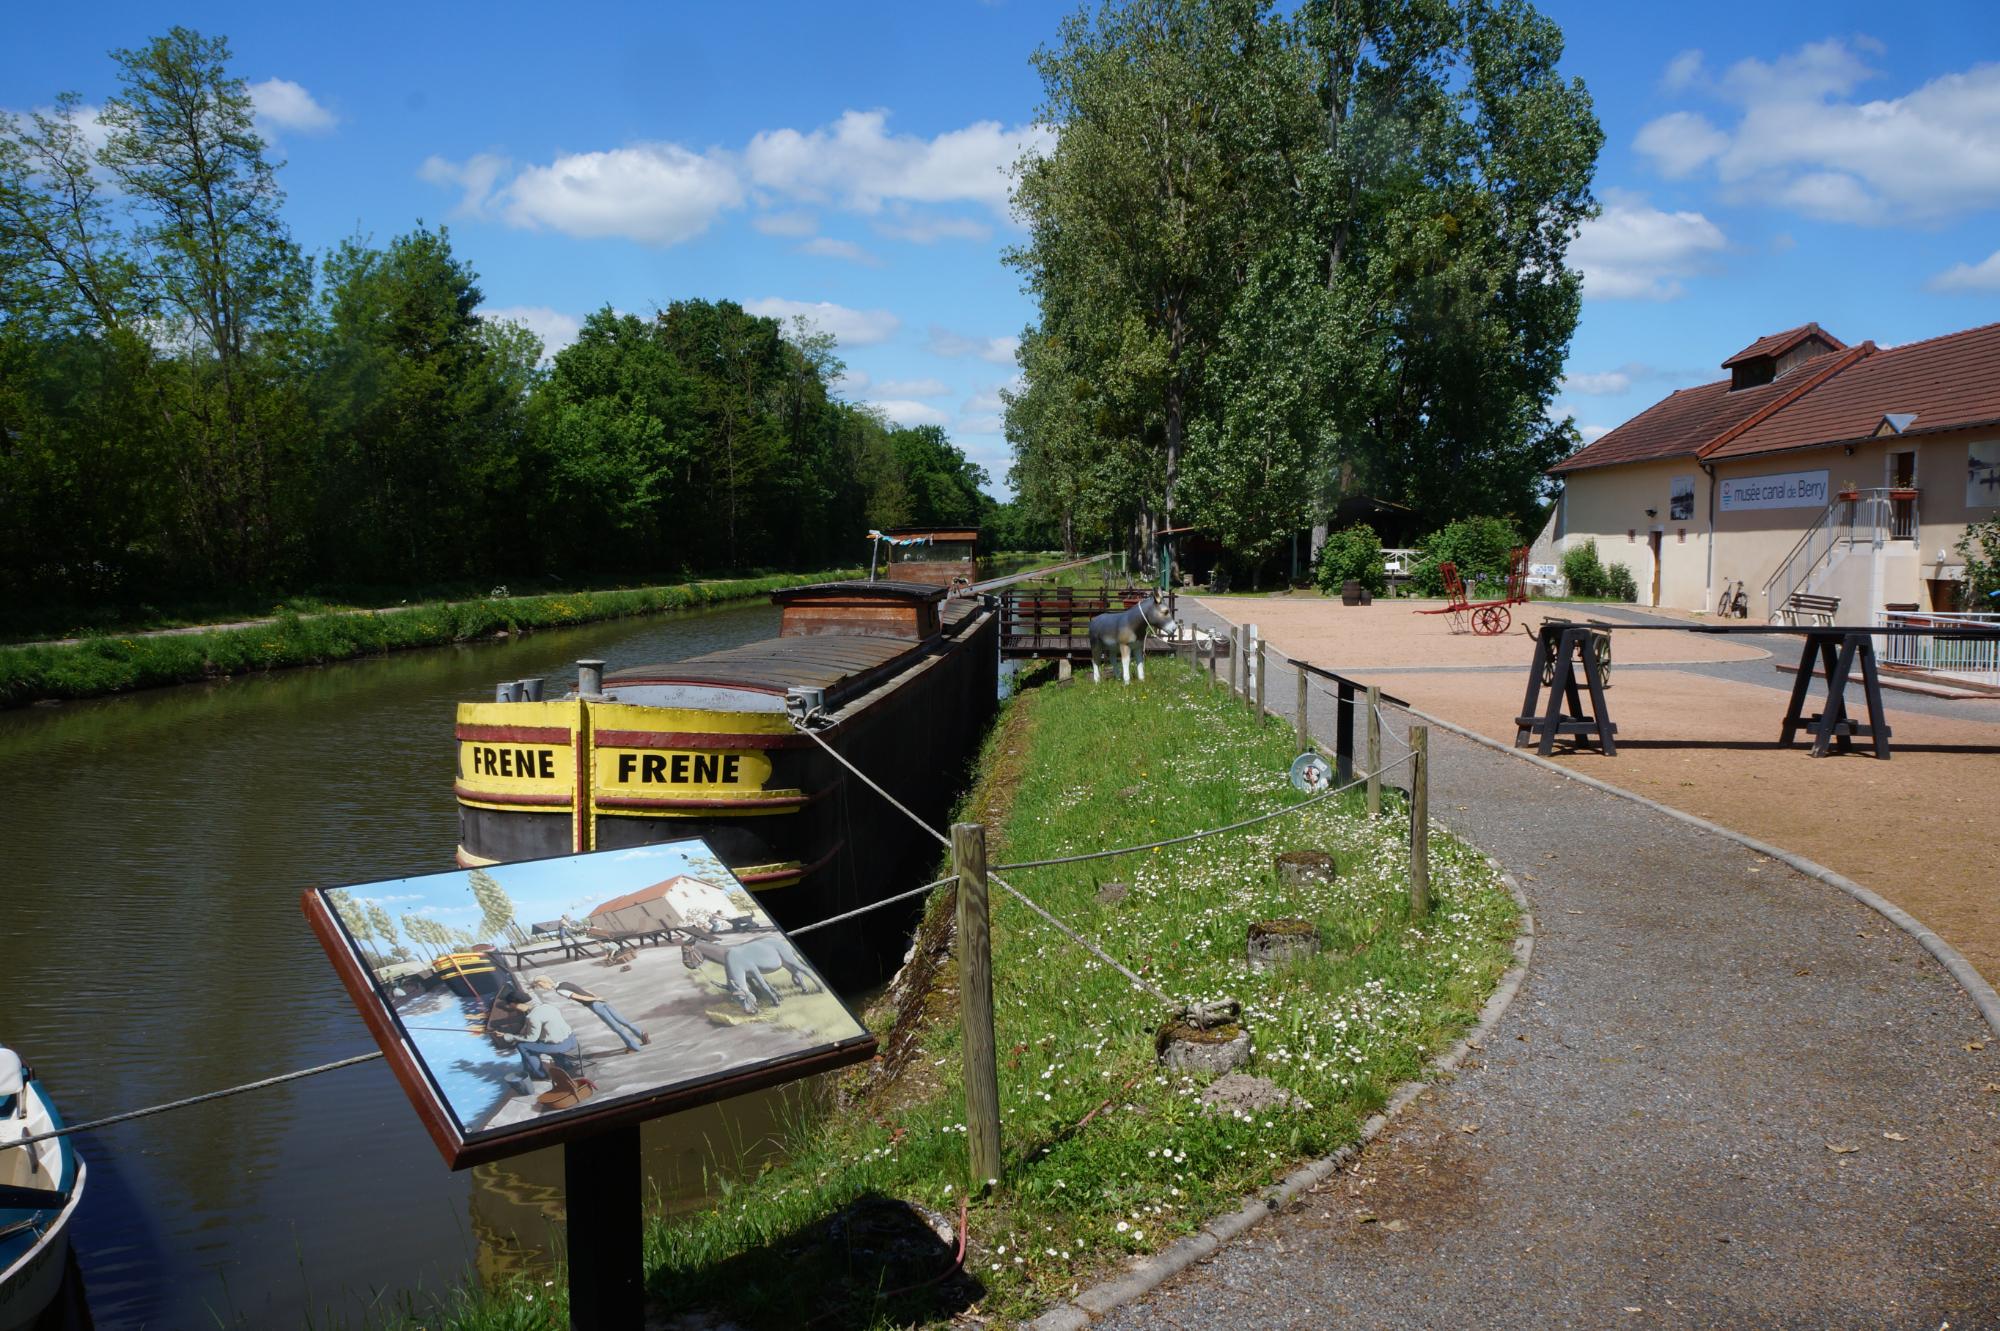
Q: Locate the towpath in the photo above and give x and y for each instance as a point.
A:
(1728, 1095)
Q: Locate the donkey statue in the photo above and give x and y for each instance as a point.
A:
(1123, 633)
(744, 966)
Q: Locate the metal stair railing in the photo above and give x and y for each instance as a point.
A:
(1838, 530)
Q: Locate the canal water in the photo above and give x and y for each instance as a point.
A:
(152, 948)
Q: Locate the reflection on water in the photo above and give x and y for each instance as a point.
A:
(517, 1204)
(154, 948)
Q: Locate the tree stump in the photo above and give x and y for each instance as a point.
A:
(1297, 868)
(1189, 1048)
(1272, 943)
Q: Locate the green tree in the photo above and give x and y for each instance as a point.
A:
(1144, 212)
(1354, 554)
(1323, 250)
(496, 907)
(422, 405)
(224, 287)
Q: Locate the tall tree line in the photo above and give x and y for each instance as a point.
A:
(192, 406)
(1284, 258)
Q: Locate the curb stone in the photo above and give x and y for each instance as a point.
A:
(1150, 1272)
(1969, 979)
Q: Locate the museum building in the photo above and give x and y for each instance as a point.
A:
(1817, 474)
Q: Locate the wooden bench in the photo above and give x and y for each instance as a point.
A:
(1806, 608)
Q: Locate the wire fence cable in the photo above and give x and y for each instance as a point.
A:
(198, 1099)
(1306, 803)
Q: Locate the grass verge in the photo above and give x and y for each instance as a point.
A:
(1106, 1155)
(104, 665)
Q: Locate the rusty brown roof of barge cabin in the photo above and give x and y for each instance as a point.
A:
(775, 664)
(1946, 383)
(892, 589)
(1692, 421)
(935, 533)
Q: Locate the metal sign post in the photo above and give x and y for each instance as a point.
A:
(606, 1219)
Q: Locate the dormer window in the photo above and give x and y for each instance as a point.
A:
(1773, 357)
(1751, 373)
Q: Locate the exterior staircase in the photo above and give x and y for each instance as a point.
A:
(1823, 562)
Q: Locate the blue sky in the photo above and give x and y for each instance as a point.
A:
(1762, 168)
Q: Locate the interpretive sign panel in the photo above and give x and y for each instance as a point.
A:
(1982, 475)
(1796, 489)
(1680, 499)
(525, 1004)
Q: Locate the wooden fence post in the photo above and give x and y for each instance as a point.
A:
(1235, 659)
(1374, 755)
(1343, 733)
(1420, 820)
(1304, 727)
(975, 1003)
(1262, 709)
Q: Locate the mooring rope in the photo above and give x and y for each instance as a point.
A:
(1308, 802)
(367, 1058)
(196, 1099)
(873, 905)
(869, 781)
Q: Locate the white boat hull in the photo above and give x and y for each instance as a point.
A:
(32, 1282)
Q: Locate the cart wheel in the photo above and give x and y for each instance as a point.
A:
(1491, 620)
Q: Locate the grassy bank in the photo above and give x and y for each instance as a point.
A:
(114, 664)
(1106, 1155)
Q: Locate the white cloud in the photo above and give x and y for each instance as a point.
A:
(797, 223)
(1592, 433)
(984, 404)
(474, 178)
(283, 104)
(828, 248)
(556, 329)
(1681, 142)
(905, 412)
(981, 424)
(913, 387)
(857, 163)
(851, 382)
(927, 229)
(654, 193)
(1683, 71)
(1981, 276)
(1805, 143)
(1827, 68)
(853, 328)
(1634, 251)
(996, 350)
(1608, 383)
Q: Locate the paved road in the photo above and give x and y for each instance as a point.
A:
(1648, 1138)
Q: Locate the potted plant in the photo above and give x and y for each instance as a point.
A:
(1848, 490)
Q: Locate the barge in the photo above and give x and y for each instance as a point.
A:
(902, 678)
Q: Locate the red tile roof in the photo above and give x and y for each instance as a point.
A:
(1949, 382)
(1777, 344)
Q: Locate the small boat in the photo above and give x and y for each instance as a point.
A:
(475, 973)
(40, 1186)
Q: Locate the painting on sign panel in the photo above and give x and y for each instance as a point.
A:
(529, 992)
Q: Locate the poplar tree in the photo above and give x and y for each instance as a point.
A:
(222, 281)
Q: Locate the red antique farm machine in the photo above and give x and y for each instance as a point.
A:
(1488, 617)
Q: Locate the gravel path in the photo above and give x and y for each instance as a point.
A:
(1727, 1096)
